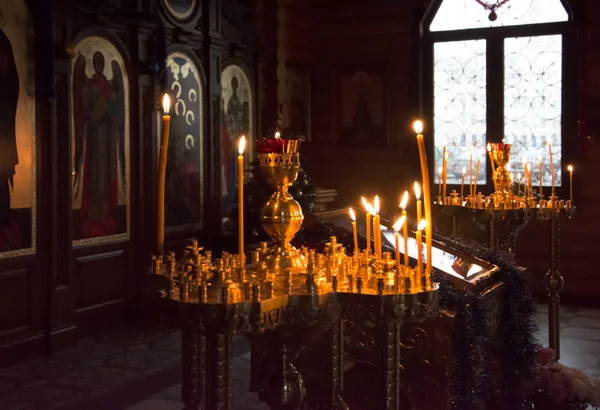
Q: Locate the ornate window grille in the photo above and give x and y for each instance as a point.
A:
(494, 71)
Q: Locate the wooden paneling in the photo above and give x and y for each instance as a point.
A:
(100, 278)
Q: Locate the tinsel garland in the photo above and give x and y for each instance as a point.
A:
(473, 371)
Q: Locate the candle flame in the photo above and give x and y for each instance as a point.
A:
(524, 159)
(446, 156)
(242, 145)
(440, 170)
(370, 209)
(352, 214)
(528, 167)
(418, 126)
(417, 191)
(445, 140)
(464, 170)
(489, 147)
(365, 203)
(404, 201)
(570, 168)
(166, 104)
(422, 225)
(399, 223)
(503, 139)
(376, 204)
(277, 135)
(519, 176)
(512, 177)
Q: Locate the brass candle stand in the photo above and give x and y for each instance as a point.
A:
(503, 215)
(284, 301)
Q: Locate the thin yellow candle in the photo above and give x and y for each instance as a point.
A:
(241, 148)
(530, 182)
(420, 271)
(541, 195)
(418, 196)
(377, 227)
(162, 172)
(426, 196)
(476, 176)
(400, 223)
(403, 204)
(519, 184)
(551, 166)
(367, 207)
(570, 168)
(492, 164)
(440, 177)
(462, 184)
(471, 173)
(354, 233)
(445, 171)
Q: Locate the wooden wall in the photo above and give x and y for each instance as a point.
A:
(64, 289)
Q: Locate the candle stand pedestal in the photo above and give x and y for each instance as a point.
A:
(289, 302)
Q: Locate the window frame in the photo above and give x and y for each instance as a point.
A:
(494, 37)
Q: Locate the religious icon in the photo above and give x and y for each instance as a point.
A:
(100, 140)
(236, 115)
(296, 108)
(181, 9)
(362, 109)
(183, 191)
(17, 132)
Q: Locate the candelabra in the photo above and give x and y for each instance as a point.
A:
(504, 215)
(284, 300)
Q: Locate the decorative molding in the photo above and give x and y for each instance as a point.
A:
(63, 181)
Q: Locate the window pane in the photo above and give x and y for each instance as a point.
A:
(459, 105)
(465, 14)
(532, 103)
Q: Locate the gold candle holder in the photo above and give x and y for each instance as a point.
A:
(501, 177)
(281, 214)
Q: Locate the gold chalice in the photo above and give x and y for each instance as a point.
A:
(501, 177)
(281, 215)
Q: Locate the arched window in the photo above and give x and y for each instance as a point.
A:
(495, 70)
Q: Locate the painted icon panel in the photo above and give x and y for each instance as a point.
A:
(100, 142)
(17, 131)
(236, 120)
(183, 191)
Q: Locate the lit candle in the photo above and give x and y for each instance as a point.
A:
(367, 207)
(403, 204)
(418, 196)
(518, 184)
(241, 148)
(420, 271)
(570, 168)
(377, 227)
(462, 184)
(476, 176)
(471, 173)
(440, 177)
(162, 172)
(445, 165)
(426, 196)
(530, 182)
(493, 165)
(551, 166)
(400, 223)
(354, 233)
(541, 194)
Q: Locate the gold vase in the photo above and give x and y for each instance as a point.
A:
(501, 177)
(281, 214)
